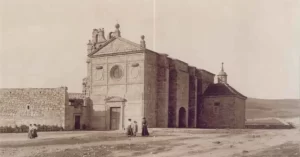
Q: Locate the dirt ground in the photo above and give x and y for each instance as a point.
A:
(161, 143)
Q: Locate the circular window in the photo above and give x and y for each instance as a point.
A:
(116, 72)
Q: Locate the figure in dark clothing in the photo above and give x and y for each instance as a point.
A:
(144, 127)
(129, 130)
(32, 131)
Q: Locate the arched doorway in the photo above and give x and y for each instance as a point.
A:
(182, 118)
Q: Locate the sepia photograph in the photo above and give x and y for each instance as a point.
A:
(150, 78)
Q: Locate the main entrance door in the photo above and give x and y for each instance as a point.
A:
(115, 118)
(77, 122)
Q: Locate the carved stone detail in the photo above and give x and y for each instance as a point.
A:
(135, 72)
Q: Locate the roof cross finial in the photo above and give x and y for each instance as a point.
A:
(222, 66)
(117, 32)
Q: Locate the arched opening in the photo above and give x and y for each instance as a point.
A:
(182, 118)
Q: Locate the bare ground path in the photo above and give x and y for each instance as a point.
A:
(162, 143)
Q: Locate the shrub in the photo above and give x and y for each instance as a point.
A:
(24, 128)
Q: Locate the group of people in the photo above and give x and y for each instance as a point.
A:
(132, 128)
(32, 131)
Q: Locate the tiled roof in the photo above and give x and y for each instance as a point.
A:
(76, 96)
(222, 89)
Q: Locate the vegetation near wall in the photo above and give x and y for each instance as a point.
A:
(24, 128)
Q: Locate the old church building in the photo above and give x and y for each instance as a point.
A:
(126, 80)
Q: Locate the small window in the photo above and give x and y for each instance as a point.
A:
(216, 108)
(217, 104)
(28, 107)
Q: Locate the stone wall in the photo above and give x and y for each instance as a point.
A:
(192, 101)
(162, 91)
(219, 112)
(204, 79)
(199, 102)
(129, 86)
(150, 95)
(182, 95)
(172, 98)
(33, 106)
(240, 112)
(207, 78)
(178, 92)
(79, 107)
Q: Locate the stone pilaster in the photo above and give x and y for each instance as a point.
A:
(162, 91)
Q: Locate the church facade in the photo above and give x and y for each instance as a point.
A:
(125, 80)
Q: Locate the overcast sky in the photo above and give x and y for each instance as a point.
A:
(43, 43)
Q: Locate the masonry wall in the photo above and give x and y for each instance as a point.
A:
(222, 116)
(82, 110)
(172, 116)
(162, 91)
(182, 84)
(199, 103)
(204, 79)
(33, 106)
(150, 94)
(240, 112)
(192, 109)
(130, 86)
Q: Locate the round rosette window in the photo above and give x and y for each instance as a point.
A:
(116, 72)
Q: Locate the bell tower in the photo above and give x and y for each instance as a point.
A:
(222, 76)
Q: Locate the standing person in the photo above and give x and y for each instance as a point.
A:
(135, 128)
(144, 127)
(129, 128)
(30, 131)
(34, 131)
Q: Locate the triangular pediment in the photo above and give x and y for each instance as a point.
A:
(117, 45)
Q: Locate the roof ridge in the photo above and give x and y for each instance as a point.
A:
(234, 90)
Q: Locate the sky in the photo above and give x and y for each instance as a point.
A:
(43, 43)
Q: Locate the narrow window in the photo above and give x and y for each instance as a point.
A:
(216, 108)
(27, 107)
